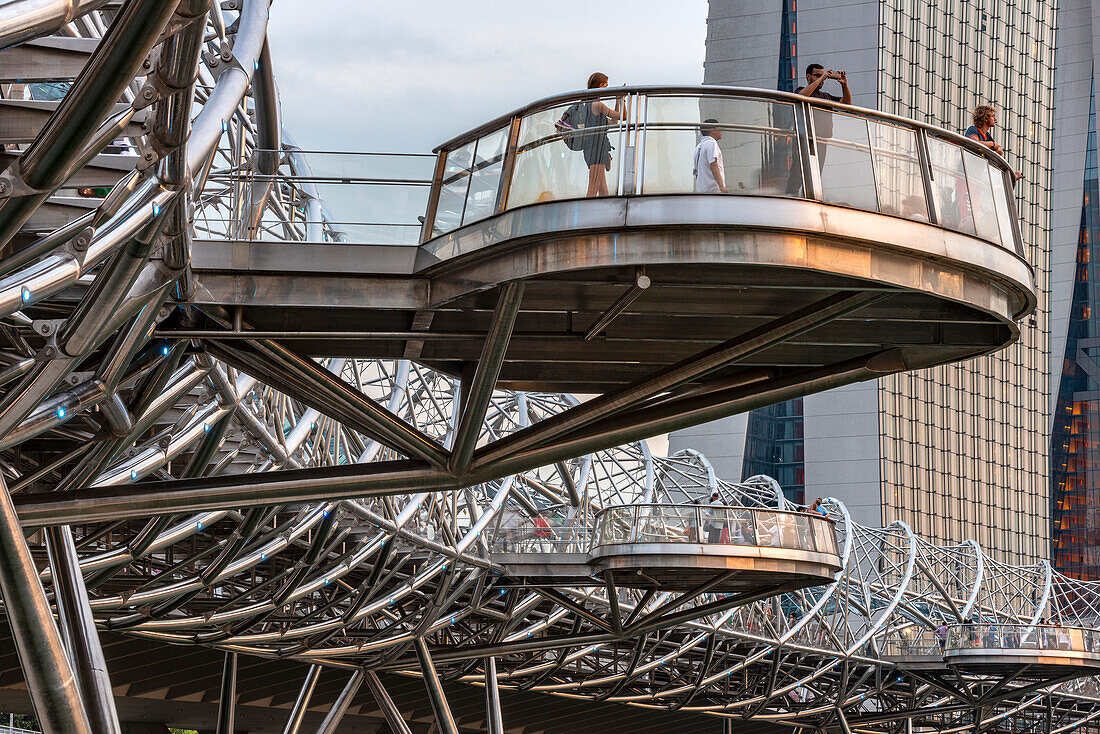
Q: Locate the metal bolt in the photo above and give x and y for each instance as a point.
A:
(84, 239)
(49, 352)
(45, 328)
(5, 187)
(148, 93)
(148, 155)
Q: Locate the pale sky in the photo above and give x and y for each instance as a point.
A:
(374, 76)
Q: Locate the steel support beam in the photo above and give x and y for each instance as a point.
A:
(79, 631)
(688, 370)
(637, 288)
(444, 721)
(305, 380)
(403, 477)
(340, 706)
(50, 680)
(227, 700)
(385, 703)
(494, 720)
(480, 389)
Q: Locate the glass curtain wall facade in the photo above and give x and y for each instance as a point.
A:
(774, 435)
(1075, 439)
(964, 447)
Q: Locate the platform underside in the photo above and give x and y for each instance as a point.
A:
(941, 296)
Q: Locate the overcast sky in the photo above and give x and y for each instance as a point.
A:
(380, 76)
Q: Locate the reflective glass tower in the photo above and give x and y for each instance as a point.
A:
(959, 451)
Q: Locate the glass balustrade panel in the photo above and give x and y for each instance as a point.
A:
(481, 198)
(844, 158)
(1004, 210)
(983, 212)
(617, 525)
(898, 173)
(757, 144)
(951, 196)
(547, 168)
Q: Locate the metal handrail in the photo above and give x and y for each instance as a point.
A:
(629, 137)
(993, 636)
(714, 525)
(707, 90)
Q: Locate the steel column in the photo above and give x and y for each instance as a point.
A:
(79, 632)
(494, 720)
(49, 676)
(301, 704)
(443, 719)
(480, 389)
(385, 703)
(227, 701)
(340, 706)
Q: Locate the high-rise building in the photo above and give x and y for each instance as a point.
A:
(1075, 320)
(959, 451)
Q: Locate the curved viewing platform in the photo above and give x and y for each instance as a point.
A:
(679, 547)
(992, 649)
(851, 244)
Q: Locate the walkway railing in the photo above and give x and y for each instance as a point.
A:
(709, 524)
(682, 524)
(986, 637)
(773, 144)
(965, 637)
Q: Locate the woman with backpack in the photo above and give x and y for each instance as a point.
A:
(597, 146)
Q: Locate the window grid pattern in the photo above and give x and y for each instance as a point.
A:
(964, 448)
(1075, 440)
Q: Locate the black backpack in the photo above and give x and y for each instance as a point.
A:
(571, 125)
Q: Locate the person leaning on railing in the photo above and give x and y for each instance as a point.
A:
(985, 119)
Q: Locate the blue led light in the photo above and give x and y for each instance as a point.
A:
(198, 525)
(133, 474)
(26, 294)
(164, 350)
(263, 556)
(60, 412)
(205, 426)
(156, 210)
(324, 513)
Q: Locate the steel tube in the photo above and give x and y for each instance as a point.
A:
(22, 20)
(227, 700)
(116, 61)
(307, 381)
(50, 679)
(480, 389)
(389, 709)
(301, 704)
(444, 721)
(494, 719)
(78, 629)
(340, 706)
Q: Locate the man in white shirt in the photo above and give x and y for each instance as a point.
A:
(710, 176)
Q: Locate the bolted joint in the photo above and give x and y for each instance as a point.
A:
(47, 327)
(83, 240)
(12, 184)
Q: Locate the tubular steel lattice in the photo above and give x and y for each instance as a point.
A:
(190, 485)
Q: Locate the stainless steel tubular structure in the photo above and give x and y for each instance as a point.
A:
(275, 442)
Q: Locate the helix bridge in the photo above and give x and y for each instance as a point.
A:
(230, 421)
